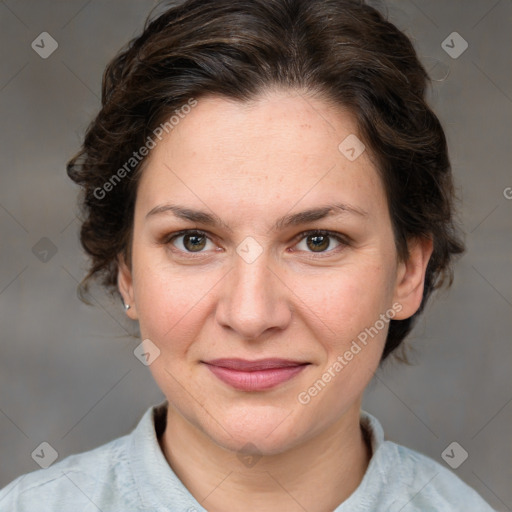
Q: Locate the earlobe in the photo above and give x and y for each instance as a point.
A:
(411, 276)
(125, 286)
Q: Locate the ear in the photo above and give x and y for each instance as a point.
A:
(411, 277)
(125, 285)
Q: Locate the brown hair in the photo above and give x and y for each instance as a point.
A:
(342, 50)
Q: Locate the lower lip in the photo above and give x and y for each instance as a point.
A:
(258, 380)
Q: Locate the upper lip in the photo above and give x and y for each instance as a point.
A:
(248, 365)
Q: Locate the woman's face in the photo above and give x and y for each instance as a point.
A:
(254, 287)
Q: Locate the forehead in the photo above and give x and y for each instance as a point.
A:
(287, 125)
(283, 147)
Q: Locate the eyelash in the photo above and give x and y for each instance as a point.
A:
(343, 240)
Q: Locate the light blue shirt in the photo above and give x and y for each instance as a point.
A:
(131, 473)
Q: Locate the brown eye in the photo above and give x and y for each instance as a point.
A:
(194, 243)
(319, 241)
(191, 241)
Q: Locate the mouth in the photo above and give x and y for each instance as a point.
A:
(260, 375)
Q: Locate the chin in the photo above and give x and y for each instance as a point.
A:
(256, 445)
(262, 430)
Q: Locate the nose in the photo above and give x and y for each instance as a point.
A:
(254, 299)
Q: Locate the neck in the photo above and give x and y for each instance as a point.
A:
(316, 475)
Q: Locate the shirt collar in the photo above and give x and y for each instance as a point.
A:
(158, 484)
(159, 488)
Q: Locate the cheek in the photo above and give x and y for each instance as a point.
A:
(348, 324)
(169, 303)
(345, 302)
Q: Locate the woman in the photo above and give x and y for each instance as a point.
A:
(269, 193)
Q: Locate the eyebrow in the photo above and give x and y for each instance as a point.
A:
(304, 217)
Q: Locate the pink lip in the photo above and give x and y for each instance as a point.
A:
(255, 375)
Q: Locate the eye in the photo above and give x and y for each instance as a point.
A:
(318, 241)
(193, 241)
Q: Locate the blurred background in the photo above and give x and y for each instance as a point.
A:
(68, 375)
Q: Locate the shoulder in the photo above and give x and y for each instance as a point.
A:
(92, 477)
(424, 484)
(401, 479)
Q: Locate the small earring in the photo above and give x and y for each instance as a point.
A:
(127, 307)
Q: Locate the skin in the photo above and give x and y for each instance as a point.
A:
(250, 164)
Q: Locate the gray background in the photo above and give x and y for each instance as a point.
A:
(68, 375)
